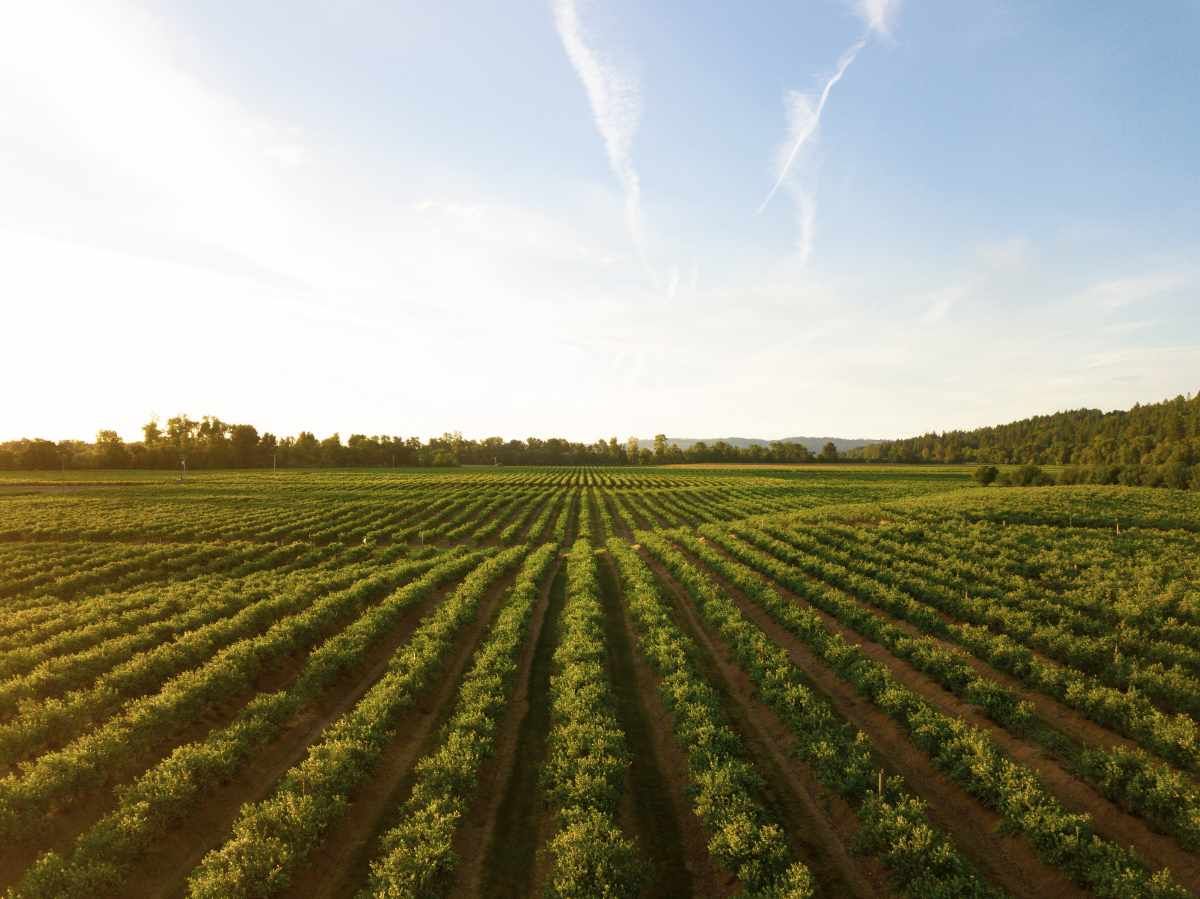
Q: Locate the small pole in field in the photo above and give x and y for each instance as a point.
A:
(880, 783)
(274, 464)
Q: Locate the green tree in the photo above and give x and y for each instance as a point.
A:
(986, 474)
(660, 448)
(243, 440)
(829, 452)
(151, 432)
(111, 451)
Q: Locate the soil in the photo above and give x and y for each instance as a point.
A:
(1004, 859)
(341, 864)
(61, 827)
(655, 807)
(164, 869)
(482, 826)
(820, 824)
(1076, 795)
(511, 864)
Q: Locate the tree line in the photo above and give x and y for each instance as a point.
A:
(1153, 445)
(209, 442)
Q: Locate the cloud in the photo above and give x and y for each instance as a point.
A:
(877, 15)
(942, 301)
(804, 119)
(804, 116)
(1120, 292)
(616, 102)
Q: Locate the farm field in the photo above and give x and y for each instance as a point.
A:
(695, 681)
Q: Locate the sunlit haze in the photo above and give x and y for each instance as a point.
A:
(595, 218)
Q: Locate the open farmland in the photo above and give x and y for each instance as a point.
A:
(833, 681)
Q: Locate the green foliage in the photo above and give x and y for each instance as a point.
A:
(416, 856)
(272, 837)
(586, 755)
(744, 840)
(986, 474)
(840, 756)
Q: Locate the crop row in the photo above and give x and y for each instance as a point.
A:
(416, 856)
(1088, 632)
(1174, 737)
(893, 825)
(54, 777)
(272, 838)
(113, 673)
(586, 753)
(1132, 779)
(163, 796)
(744, 840)
(966, 754)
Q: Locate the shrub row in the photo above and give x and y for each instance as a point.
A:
(840, 756)
(586, 754)
(272, 838)
(725, 787)
(968, 756)
(1174, 737)
(1146, 788)
(27, 796)
(162, 797)
(416, 857)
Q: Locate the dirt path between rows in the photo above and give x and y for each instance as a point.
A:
(819, 824)
(620, 525)
(482, 826)
(507, 861)
(165, 867)
(1005, 859)
(1072, 723)
(654, 803)
(1076, 795)
(61, 828)
(341, 864)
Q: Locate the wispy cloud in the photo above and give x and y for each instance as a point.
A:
(804, 118)
(616, 102)
(877, 15)
(1121, 292)
(942, 301)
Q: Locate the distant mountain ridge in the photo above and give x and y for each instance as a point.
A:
(813, 444)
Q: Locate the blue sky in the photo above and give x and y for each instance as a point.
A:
(544, 217)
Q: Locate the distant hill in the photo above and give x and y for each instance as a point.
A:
(813, 444)
(1150, 434)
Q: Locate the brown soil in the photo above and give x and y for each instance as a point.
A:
(820, 825)
(165, 868)
(620, 526)
(60, 827)
(512, 863)
(655, 806)
(1075, 795)
(482, 826)
(1005, 859)
(1074, 724)
(340, 866)
(594, 520)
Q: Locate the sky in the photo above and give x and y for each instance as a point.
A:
(586, 218)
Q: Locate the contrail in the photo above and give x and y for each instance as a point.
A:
(805, 119)
(807, 130)
(616, 103)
